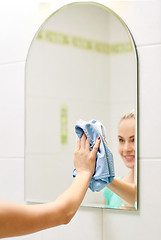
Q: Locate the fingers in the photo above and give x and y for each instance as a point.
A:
(78, 144)
(87, 143)
(83, 141)
(84, 158)
(96, 146)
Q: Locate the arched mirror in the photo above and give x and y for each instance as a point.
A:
(81, 64)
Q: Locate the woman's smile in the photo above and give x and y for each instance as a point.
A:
(126, 136)
(129, 157)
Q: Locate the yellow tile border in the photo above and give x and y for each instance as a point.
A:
(83, 43)
(64, 124)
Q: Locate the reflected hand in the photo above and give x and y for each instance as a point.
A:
(84, 158)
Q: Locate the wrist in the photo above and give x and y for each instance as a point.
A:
(85, 175)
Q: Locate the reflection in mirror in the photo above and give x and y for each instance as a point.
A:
(81, 65)
(122, 192)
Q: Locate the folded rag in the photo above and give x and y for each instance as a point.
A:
(104, 172)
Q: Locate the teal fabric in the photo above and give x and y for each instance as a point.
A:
(112, 199)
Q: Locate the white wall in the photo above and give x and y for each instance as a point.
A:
(15, 23)
(143, 19)
(18, 23)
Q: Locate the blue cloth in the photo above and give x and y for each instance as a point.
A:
(104, 172)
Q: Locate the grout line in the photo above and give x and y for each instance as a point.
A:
(2, 158)
(149, 45)
(9, 63)
(102, 237)
(150, 159)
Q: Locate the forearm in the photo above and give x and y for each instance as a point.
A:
(16, 219)
(73, 196)
(68, 203)
(126, 191)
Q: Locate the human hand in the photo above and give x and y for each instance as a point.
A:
(84, 158)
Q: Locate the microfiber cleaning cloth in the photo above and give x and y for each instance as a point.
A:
(104, 172)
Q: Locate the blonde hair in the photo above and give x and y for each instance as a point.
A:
(130, 114)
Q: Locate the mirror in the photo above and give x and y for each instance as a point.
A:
(81, 64)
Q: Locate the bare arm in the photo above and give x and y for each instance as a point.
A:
(126, 191)
(17, 219)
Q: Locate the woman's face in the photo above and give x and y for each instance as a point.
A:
(126, 137)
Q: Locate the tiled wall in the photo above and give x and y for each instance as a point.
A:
(18, 23)
(144, 20)
(16, 33)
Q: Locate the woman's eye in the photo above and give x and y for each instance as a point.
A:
(121, 140)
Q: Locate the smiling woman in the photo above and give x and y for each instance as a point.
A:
(126, 137)
(122, 192)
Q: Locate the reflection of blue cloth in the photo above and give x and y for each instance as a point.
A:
(104, 171)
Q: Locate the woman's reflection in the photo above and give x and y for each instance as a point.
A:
(122, 192)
